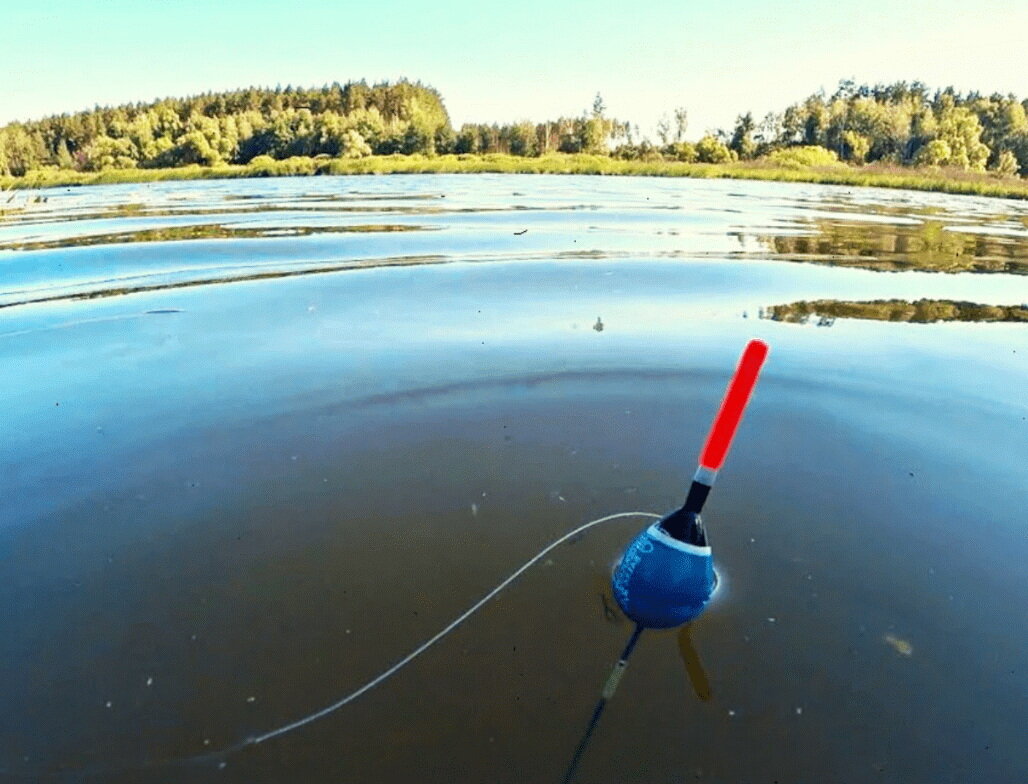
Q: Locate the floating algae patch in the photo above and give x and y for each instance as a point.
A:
(923, 311)
(902, 647)
(204, 231)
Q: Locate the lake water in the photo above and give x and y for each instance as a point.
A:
(262, 438)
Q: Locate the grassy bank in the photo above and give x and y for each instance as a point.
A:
(934, 179)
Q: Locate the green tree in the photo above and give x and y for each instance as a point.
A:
(593, 135)
(681, 123)
(664, 130)
(683, 151)
(64, 159)
(445, 140)
(710, 149)
(353, 145)
(24, 149)
(936, 153)
(467, 140)
(900, 122)
(520, 139)
(856, 146)
(194, 147)
(742, 137)
(768, 132)
(1006, 164)
(105, 152)
(960, 129)
(417, 139)
(594, 130)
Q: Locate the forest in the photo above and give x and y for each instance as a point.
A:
(902, 124)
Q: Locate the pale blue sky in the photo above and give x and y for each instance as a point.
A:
(510, 61)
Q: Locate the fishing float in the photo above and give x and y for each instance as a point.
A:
(665, 577)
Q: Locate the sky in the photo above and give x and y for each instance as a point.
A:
(504, 62)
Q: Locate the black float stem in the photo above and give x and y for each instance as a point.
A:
(608, 691)
(685, 524)
(697, 497)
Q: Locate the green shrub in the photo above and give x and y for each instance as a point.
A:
(950, 180)
(936, 153)
(710, 149)
(263, 164)
(1006, 164)
(800, 157)
(683, 151)
(298, 164)
(103, 152)
(857, 146)
(353, 145)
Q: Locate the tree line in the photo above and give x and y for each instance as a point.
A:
(901, 123)
(352, 120)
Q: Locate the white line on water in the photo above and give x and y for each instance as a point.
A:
(223, 754)
(437, 637)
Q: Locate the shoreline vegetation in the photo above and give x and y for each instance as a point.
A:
(923, 311)
(894, 136)
(934, 179)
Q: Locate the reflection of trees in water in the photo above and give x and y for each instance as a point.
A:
(878, 246)
(238, 277)
(925, 311)
(204, 231)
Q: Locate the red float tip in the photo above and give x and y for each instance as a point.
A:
(732, 407)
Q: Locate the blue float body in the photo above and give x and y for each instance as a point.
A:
(662, 582)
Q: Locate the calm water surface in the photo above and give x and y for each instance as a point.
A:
(262, 438)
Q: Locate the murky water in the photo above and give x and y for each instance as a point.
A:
(260, 439)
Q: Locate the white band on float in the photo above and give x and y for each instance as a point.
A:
(693, 549)
(705, 476)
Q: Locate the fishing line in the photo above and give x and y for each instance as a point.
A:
(378, 679)
(445, 631)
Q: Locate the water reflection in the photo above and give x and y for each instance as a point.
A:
(203, 231)
(693, 666)
(276, 490)
(31, 213)
(931, 246)
(244, 275)
(694, 669)
(923, 311)
(96, 243)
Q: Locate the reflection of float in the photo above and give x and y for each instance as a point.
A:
(665, 577)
